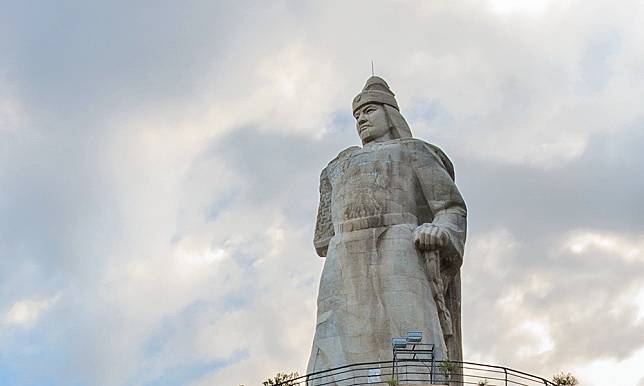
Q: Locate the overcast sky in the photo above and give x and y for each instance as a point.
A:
(159, 167)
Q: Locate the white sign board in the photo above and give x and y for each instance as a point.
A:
(374, 376)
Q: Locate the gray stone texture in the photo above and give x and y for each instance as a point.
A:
(391, 224)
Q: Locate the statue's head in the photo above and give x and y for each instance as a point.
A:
(377, 115)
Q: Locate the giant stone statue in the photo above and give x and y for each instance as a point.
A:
(391, 224)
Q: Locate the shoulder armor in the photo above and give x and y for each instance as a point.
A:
(344, 153)
(435, 151)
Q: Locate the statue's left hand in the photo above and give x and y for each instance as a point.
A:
(428, 237)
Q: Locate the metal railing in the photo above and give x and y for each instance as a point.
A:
(410, 371)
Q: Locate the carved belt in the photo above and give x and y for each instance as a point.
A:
(375, 222)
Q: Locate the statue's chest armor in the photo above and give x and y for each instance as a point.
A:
(373, 181)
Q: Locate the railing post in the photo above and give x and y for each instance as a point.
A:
(431, 371)
(393, 365)
(506, 376)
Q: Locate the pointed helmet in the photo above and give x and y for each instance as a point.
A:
(376, 90)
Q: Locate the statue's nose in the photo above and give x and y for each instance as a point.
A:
(362, 118)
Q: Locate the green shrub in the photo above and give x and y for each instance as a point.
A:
(282, 378)
(564, 379)
(392, 382)
(447, 367)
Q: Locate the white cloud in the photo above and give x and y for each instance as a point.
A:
(627, 248)
(12, 114)
(616, 372)
(26, 312)
(539, 334)
(535, 109)
(639, 302)
(529, 7)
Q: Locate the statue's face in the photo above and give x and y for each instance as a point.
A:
(371, 123)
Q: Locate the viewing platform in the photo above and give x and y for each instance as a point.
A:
(414, 364)
(416, 372)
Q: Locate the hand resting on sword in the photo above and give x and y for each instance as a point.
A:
(430, 237)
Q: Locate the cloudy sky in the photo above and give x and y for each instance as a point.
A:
(159, 167)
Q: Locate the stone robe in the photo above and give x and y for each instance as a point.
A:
(375, 284)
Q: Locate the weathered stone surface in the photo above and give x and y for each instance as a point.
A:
(391, 224)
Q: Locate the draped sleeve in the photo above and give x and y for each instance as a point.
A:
(435, 175)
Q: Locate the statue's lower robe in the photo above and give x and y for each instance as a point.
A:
(374, 287)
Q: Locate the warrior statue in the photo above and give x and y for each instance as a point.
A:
(391, 224)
